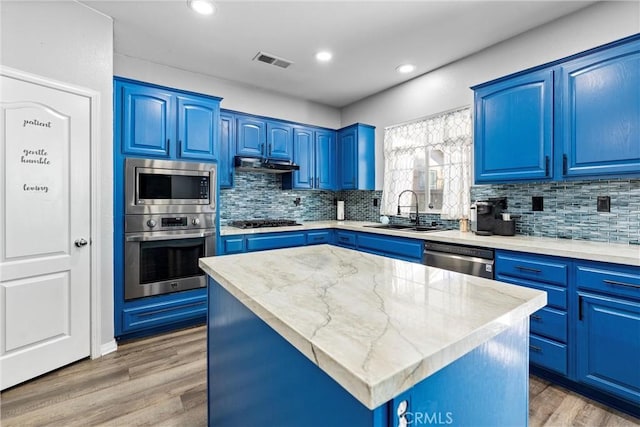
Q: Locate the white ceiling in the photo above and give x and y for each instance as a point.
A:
(369, 39)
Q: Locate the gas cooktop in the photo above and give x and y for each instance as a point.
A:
(259, 223)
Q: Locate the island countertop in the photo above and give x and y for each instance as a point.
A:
(376, 325)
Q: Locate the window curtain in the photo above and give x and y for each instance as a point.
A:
(407, 146)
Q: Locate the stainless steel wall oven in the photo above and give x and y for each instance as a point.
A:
(170, 223)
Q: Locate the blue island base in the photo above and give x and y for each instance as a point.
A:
(256, 378)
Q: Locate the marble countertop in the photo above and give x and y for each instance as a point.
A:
(376, 325)
(578, 249)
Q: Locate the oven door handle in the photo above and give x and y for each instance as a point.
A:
(145, 237)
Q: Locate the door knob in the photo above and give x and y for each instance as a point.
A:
(80, 243)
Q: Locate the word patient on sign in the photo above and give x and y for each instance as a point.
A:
(36, 122)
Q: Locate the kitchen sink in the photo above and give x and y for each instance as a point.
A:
(419, 228)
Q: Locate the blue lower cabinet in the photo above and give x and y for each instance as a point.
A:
(346, 238)
(548, 354)
(393, 247)
(263, 242)
(155, 312)
(549, 322)
(232, 245)
(319, 237)
(608, 345)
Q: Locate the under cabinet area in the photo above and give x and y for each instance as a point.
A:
(560, 120)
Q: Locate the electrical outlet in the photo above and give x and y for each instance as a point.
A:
(537, 203)
(375, 202)
(604, 204)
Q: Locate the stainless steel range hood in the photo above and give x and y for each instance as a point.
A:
(253, 164)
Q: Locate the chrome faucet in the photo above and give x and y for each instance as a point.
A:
(415, 196)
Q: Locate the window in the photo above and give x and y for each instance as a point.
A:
(432, 157)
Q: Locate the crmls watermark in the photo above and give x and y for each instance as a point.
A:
(428, 418)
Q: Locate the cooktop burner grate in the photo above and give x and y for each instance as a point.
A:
(259, 223)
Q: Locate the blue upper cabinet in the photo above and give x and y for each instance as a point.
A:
(356, 157)
(250, 136)
(599, 117)
(573, 118)
(279, 141)
(154, 121)
(227, 144)
(197, 127)
(304, 156)
(143, 119)
(315, 152)
(325, 160)
(514, 129)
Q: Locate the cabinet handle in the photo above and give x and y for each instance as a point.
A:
(317, 182)
(580, 313)
(564, 164)
(343, 239)
(261, 148)
(179, 146)
(269, 151)
(317, 239)
(615, 283)
(546, 165)
(536, 317)
(535, 348)
(528, 269)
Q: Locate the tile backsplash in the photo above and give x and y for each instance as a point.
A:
(570, 209)
(260, 195)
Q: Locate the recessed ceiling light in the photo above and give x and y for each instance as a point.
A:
(324, 56)
(203, 7)
(405, 68)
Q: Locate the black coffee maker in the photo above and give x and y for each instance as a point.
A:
(486, 218)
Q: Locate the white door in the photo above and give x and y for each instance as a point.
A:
(44, 222)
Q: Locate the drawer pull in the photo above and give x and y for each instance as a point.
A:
(344, 239)
(528, 269)
(536, 317)
(615, 283)
(535, 348)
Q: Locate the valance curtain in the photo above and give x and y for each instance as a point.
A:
(407, 148)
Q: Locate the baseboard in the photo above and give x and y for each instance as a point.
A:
(109, 347)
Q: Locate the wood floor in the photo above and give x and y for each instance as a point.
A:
(161, 381)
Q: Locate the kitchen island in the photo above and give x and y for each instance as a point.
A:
(328, 336)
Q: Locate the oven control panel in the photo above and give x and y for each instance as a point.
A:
(141, 223)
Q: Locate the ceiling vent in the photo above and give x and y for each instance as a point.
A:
(272, 59)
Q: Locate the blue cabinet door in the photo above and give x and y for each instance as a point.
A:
(514, 129)
(250, 136)
(599, 119)
(325, 160)
(145, 120)
(608, 345)
(303, 156)
(279, 141)
(198, 120)
(225, 158)
(347, 161)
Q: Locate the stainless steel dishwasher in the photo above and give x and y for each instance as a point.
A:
(460, 258)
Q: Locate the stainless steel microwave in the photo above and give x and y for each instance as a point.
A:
(167, 186)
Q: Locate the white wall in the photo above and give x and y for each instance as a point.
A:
(448, 87)
(235, 95)
(69, 42)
